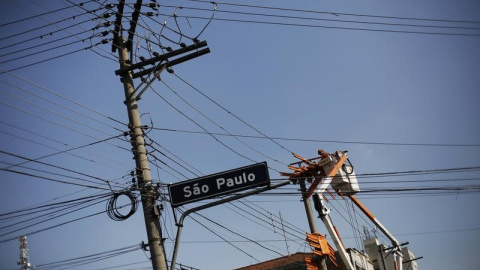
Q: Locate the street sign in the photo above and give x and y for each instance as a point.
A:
(219, 184)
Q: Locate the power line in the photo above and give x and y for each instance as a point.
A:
(59, 105)
(53, 48)
(105, 41)
(51, 179)
(332, 27)
(329, 20)
(105, 24)
(218, 125)
(238, 234)
(50, 24)
(232, 114)
(200, 126)
(58, 95)
(225, 240)
(54, 226)
(89, 258)
(50, 165)
(45, 13)
(17, 136)
(39, 219)
(317, 140)
(340, 13)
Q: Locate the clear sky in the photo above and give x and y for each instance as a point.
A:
(394, 83)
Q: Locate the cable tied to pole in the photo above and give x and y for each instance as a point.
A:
(113, 208)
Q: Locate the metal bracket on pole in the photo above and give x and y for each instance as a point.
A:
(215, 203)
(156, 76)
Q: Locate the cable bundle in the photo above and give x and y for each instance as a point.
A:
(112, 208)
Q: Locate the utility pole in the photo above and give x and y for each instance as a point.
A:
(142, 167)
(152, 224)
(128, 72)
(310, 217)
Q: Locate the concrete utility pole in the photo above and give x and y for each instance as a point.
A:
(128, 74)
(311, 218)
(155, 242)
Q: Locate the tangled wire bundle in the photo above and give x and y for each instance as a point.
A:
(112, 208)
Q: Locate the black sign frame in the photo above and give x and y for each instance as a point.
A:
(222, 183)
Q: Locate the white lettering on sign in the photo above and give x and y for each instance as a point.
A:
(237, 180)
(195, 190)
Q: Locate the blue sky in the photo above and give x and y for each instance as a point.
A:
(335, 86)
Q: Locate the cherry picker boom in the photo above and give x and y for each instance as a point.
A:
(335, 170)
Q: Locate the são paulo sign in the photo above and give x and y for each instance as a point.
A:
(219, 184)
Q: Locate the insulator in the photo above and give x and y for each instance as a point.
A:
(183, 45)
(105, 41)
(142, 58)
(152, 5)
(156, 54)
(104, 33)
(149, 14)
(169, 49)
(170, 70)
(109, 6)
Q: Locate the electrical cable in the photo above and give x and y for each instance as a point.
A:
(48, 216)
(117, 184)
(222, 128)
(232, 114)
(62, 115)
(336, 27)
(50, 24)
(54, 48)
(288, 224)
(55, 57)
(106, 24)
(36, 218)
(112, 208)
(65, 151)
(91, 257)
(59, 124)
(225, 240)
(338, 13)
(51, 179)
(45, 13)
(163, 154)
(17, 136)
(197, 124)
(49, 206)
(321, 141)
(170, 167)
(330, 20)
(175, 156)
(49, 165)
(60, 96)
(238, 234)
(43, 44)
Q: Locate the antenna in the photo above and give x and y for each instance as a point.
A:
(23, 261)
